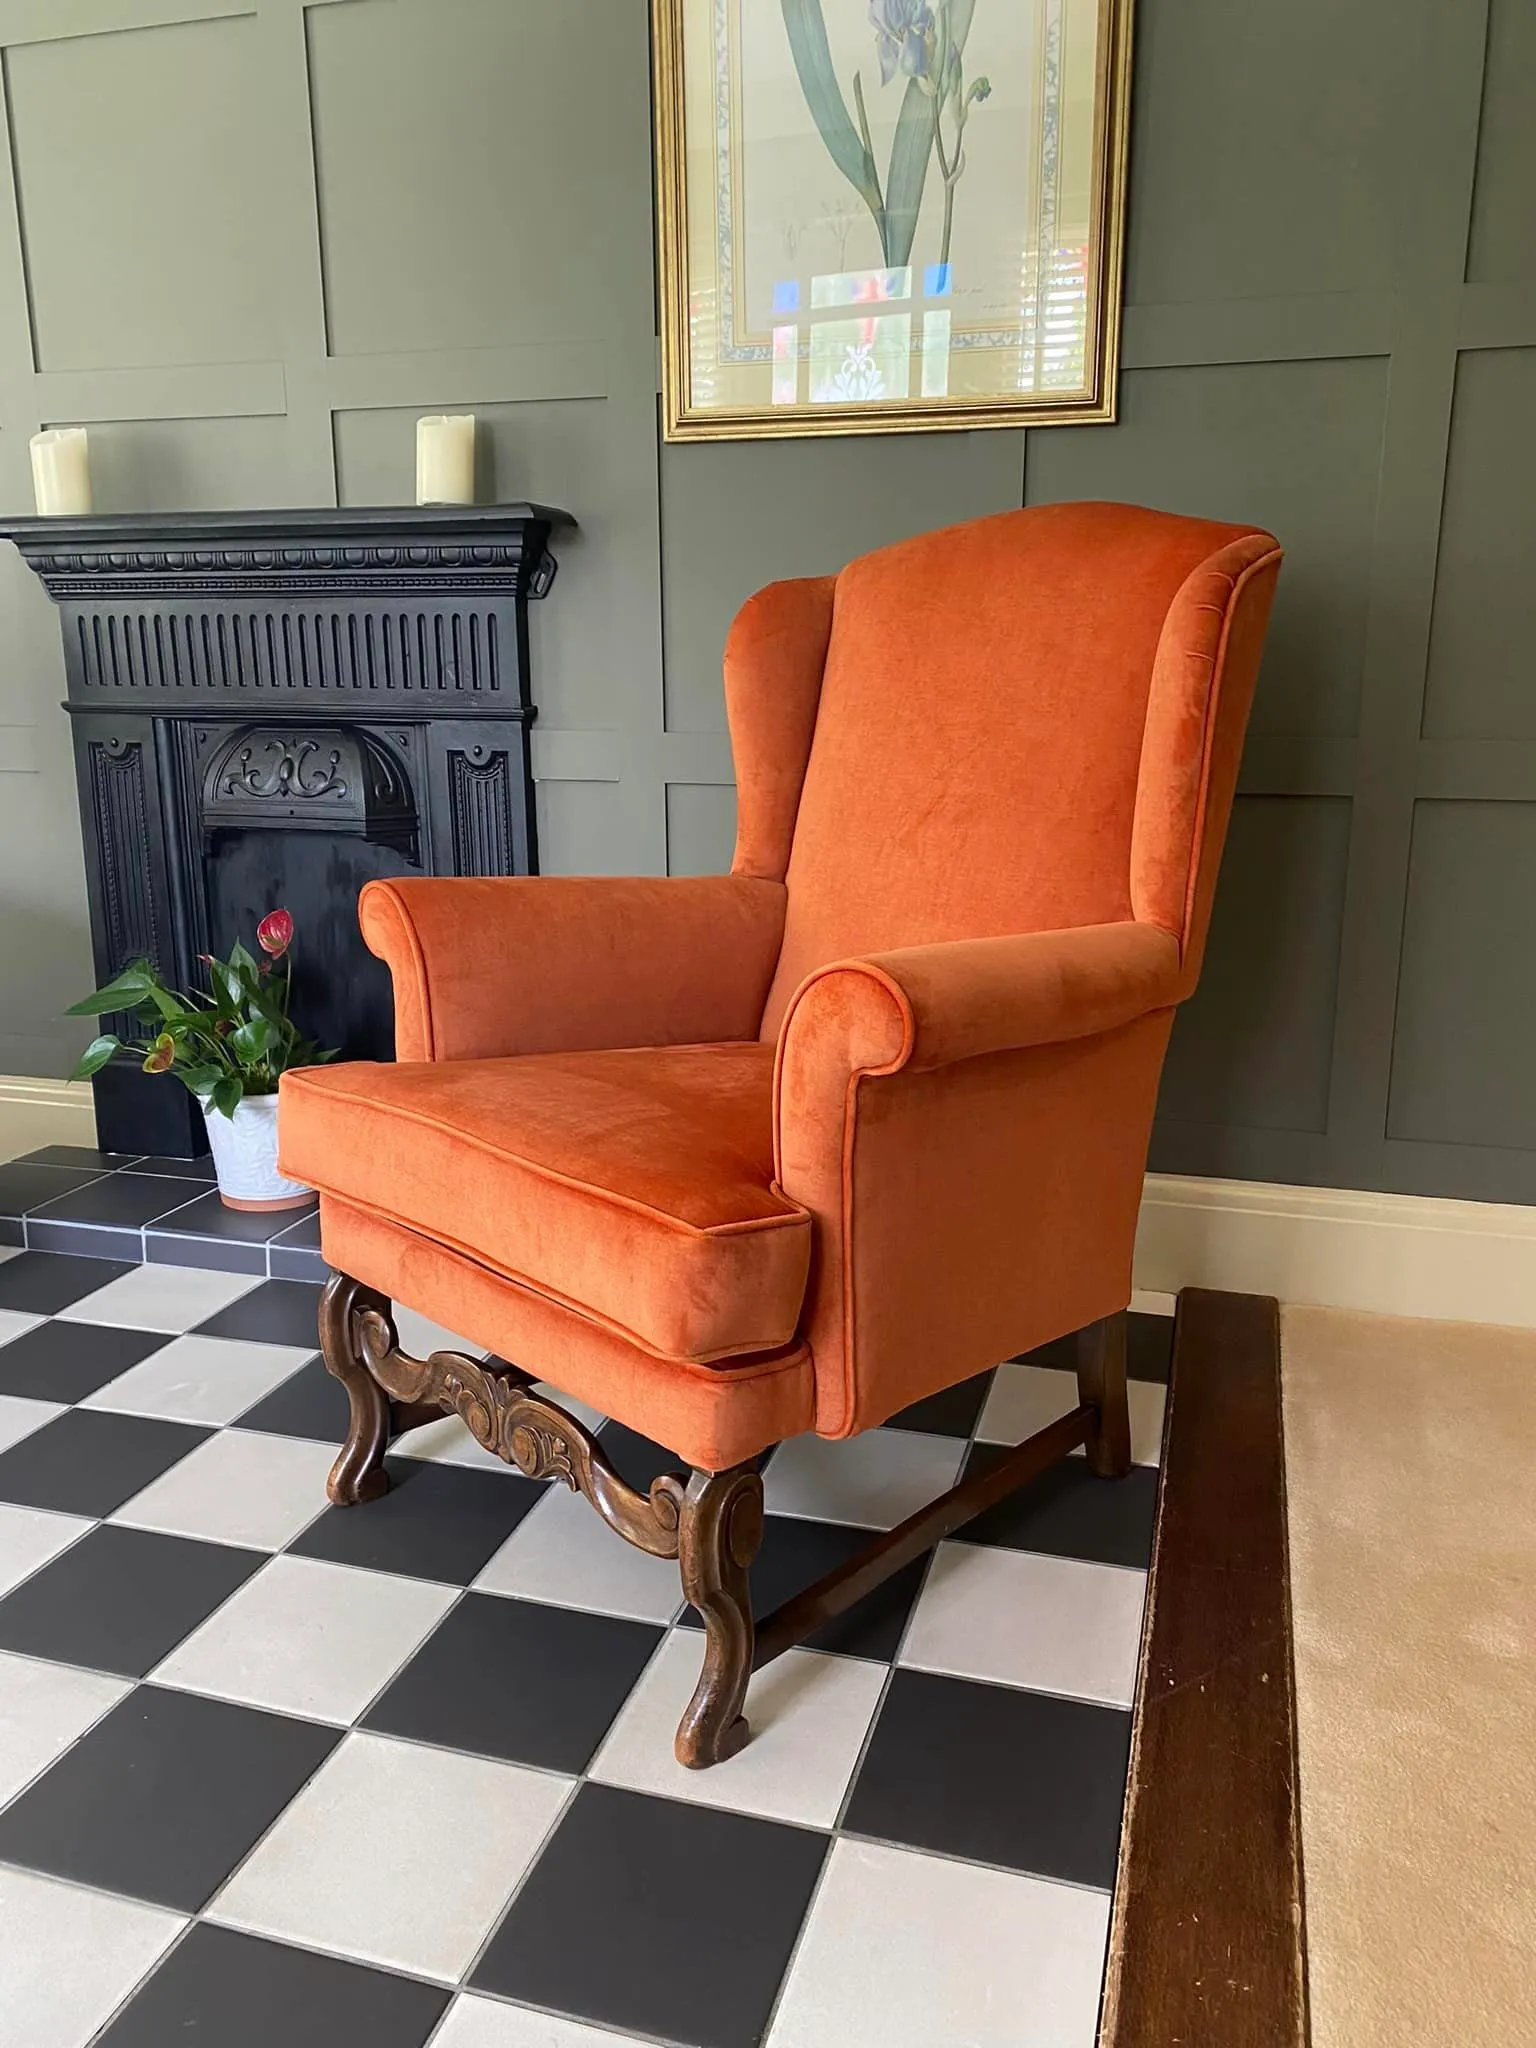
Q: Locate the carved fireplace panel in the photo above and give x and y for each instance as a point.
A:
(277, 708)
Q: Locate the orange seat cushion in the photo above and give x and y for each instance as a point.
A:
(635, 1187)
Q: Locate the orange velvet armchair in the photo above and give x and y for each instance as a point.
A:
(790, 1148)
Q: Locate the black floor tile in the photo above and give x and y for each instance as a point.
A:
(206, 1215)
(216, 1254)
(24, 1186)
(41, 1283)
(121, 1599)
(88, 1240)
(229, 1990)
(655, 1917)
(1068, 1513)
(236, 1991)
(11, 1231)
(436, 1521)
(311, 1404)
(305, 1233)
(88, 1462)
(996, 1775)
(952, 1412)
(634, 1457)
(277, 1312)
(1148, 1349)
(178, 1169)
(83, 1156)
(796, 1553)
(516, 1679)
(119, 1200)
(164, 1797)
(294, 1262)
(66, 1361)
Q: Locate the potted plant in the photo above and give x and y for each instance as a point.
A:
(229, 1047)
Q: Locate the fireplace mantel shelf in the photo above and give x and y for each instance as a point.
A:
(319, 551)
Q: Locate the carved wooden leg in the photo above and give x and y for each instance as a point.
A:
(358, 1473)
(719, 1531)
(1101, 1381)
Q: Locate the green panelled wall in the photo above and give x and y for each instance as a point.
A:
(248, 241)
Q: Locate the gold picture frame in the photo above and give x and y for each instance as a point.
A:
(830, 259)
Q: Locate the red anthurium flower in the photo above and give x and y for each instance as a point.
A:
(274, 934)
(161, 1054)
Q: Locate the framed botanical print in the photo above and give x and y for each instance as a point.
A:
(888, 215)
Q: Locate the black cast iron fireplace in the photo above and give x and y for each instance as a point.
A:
(273, 708)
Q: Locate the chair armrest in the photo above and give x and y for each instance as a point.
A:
(485, 967)
(925, 1006)
(966, 1123)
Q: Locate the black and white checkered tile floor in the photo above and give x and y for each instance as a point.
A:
(276, 1776)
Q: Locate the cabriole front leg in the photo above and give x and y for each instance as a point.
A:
(358, 1473)
(719, 1532)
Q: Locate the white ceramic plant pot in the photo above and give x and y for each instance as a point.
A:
(244, 1148)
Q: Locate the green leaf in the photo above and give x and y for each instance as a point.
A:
(202, 1080)
(129, 991)
(95, 1056)
(829, 110)
(253, 1040)
(911, 147)
(243, 961)
(170, 1006)
(226, 1093)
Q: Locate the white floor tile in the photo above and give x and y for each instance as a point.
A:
(875, 1480)
(19, 1417)
(564, 1554)
(29, 1538)
(238, 1487)
(15, 1323)
(43, 1709)
(397, 1854)
(1025, 1398)
(1013, 1617)
(906, 1951)
(171, 1298)
(419, 1335)
(589, 1418)
(68, 1957)
(1151, 1301)
(486, 2023)
(809, 1715)
(200, 1379)
(305, 1637)
(445, 1442)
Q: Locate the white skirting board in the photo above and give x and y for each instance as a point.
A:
(1403, 1255)
(35, 1113)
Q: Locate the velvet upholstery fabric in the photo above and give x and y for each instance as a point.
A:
(712, 1416)
(568, 964)
(635, 1185)
(795, 1147)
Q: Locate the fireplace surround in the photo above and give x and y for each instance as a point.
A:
(275, 707)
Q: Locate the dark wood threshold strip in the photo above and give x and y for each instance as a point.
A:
(1207, 1942)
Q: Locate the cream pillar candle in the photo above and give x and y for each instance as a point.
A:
(445, 459)
(61, 471)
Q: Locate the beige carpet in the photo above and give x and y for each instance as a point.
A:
(1411, 1470)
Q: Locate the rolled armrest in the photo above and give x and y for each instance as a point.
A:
(925, 1006)
(485, 967)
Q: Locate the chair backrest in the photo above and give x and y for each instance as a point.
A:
(1029, 722)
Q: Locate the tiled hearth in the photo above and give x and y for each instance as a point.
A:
(163, 1212)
